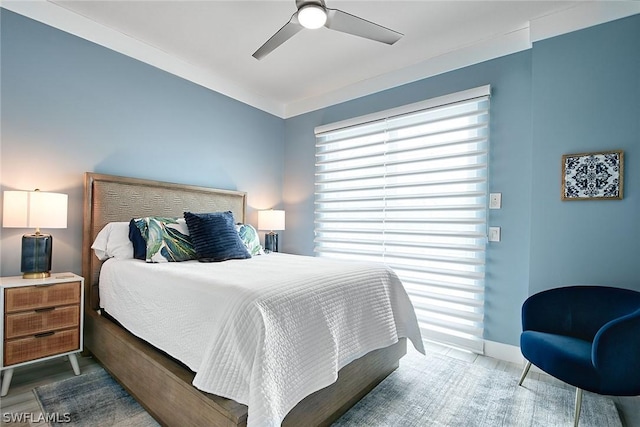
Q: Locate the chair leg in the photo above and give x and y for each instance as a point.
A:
(576, 417)
(525, 372)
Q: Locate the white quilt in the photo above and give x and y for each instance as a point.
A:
(265, 331)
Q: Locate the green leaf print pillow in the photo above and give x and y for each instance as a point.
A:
(250, 238)
(167, 239)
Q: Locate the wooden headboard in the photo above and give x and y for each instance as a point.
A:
(109, 198)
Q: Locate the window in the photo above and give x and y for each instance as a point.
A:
(408, 187)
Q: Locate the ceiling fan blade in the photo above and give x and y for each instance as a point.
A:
(290, 29)
(351, 24)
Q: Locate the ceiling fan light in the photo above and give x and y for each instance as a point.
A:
(312, 16)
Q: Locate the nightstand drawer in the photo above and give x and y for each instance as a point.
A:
(42, 320)
(32, 297)
(43, 345)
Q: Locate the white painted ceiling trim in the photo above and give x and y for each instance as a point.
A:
(588, 14)
(78, 25)
(584, 15)
(513, 42)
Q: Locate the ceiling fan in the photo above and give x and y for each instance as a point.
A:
(314, 14)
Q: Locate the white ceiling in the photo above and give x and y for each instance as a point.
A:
(211, 42)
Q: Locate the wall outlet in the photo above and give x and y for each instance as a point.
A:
(494, 234)
(495, 200)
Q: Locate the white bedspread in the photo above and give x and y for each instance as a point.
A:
(265, 331)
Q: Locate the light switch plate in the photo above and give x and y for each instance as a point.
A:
(495, 200)
(494, 234)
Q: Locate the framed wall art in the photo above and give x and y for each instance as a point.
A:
(592, 176)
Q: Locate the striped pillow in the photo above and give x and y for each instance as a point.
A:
(214, 237)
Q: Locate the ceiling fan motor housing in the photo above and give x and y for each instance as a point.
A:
(302, 3)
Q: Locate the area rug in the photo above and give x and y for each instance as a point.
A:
(436, 390)
(432, 390)
(93, 399)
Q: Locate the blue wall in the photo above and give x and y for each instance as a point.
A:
(70, 106)
(586, 98)
(570, 94)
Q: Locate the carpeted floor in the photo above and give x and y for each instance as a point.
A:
(440, 391)
(91, 400)
(425, 391)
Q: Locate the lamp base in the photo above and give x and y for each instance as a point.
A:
(42, 275)
(36, 256)
(271, 242)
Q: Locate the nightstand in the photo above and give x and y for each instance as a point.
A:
(41, 319)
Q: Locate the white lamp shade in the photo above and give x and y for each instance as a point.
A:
(312, 16)
(34, 209)
(271, 220)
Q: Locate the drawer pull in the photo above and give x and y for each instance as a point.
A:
(44, 334)
(40, 310)
(45, 285)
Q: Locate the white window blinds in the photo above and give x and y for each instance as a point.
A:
(408, 187)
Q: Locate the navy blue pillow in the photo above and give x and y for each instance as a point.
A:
(139, 242)
(215, 237)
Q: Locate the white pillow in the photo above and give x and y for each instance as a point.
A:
(113, 242)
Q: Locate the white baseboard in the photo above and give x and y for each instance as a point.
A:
(506, 352)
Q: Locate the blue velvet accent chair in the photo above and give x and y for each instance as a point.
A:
(585, 336)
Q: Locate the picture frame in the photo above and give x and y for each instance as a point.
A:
(593, 176)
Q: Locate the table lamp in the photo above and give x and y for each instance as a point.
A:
(271, 220)
(35, 209)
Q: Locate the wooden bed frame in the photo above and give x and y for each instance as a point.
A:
(161, 384)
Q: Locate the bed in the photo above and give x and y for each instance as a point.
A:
(162, 384)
